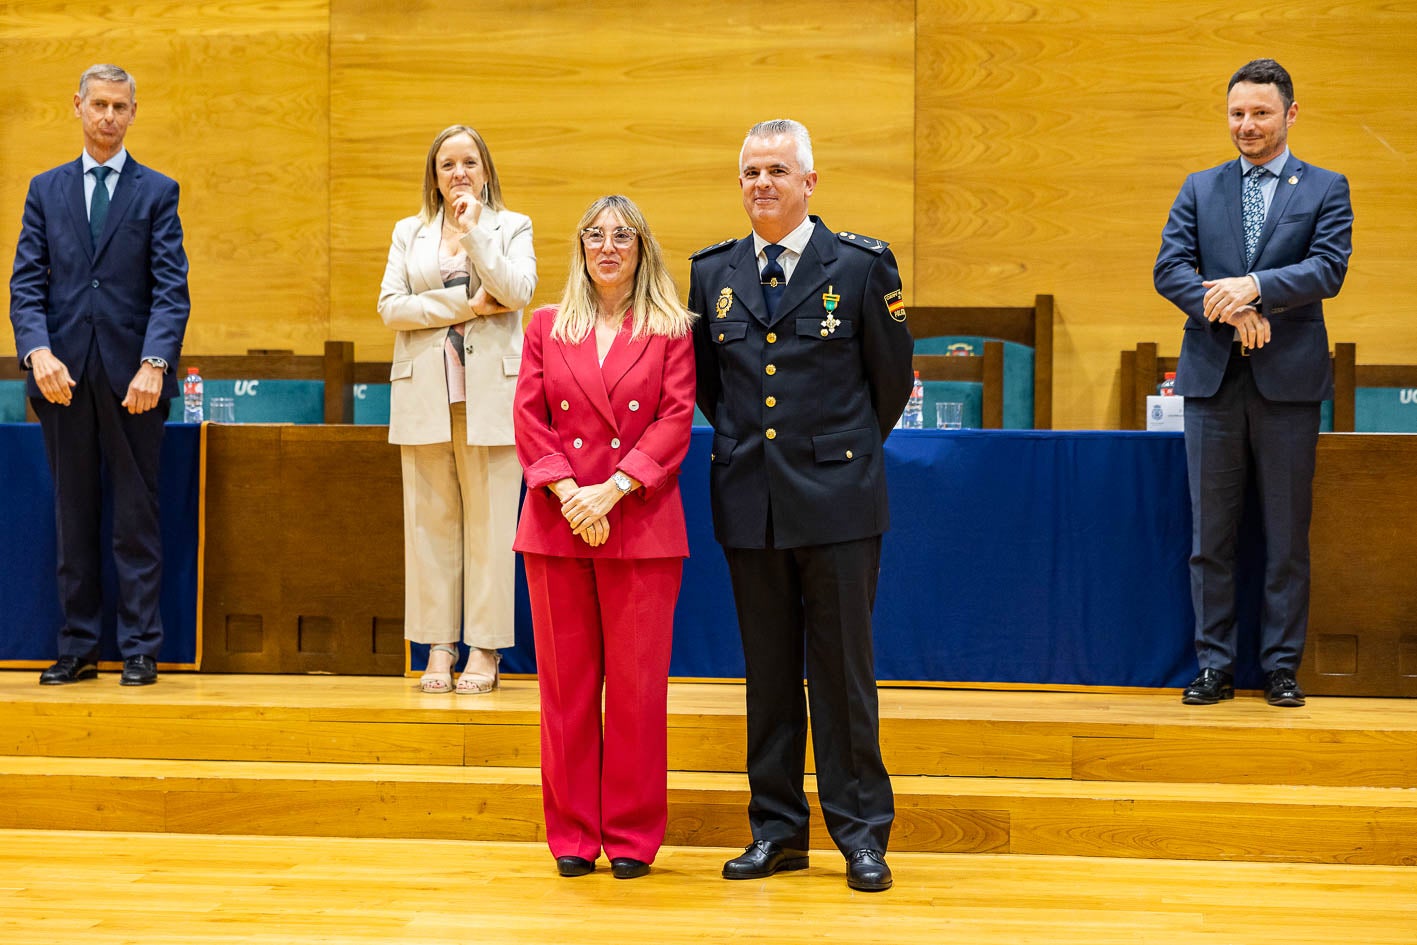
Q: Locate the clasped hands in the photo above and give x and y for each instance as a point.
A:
(585, 508)
(1229, 301)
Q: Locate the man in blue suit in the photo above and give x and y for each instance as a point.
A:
(99, 304)
(1251, 250)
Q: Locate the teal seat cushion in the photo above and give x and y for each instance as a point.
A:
(371, 404)
(12, 401)
(1018, 379)
(1385, 410)
(264, 401)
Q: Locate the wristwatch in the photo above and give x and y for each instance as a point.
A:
(622, 482)
(158, 363)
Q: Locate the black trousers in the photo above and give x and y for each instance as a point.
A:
(812, 606)
(1227, 436)
(91, 444)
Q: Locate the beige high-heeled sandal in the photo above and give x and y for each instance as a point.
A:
(477, 683)
(438, 683)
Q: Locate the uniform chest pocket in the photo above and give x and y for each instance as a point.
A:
(825, 328)
(728, 332)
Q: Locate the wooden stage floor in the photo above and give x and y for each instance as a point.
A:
(300, 809)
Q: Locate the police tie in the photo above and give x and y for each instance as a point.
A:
(773, 278)
(98, 206)
(1252, 210)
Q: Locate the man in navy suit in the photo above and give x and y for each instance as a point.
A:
(1251, 250)
(99, 304)
(803, 364)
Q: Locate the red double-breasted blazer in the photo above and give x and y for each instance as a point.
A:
(578, 419)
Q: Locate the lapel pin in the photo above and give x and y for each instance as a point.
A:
(1293, 180)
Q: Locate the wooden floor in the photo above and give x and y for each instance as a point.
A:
(289, 809)
(170, 889)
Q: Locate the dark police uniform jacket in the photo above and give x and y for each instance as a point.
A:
(800, 405)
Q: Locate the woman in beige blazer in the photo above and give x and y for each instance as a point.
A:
(458, 275)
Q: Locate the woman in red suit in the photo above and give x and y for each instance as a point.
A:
(604, 404)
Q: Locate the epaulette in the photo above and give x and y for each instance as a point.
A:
(869, 243)
(710, 250)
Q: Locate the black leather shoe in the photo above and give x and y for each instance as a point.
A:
(1282, 689)
(763, 858)
(139, 671)
(867, 871)
(68, 669)
(574, 865)
(623, 867)
(1211, 686)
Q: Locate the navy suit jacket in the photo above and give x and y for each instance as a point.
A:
(1301, 260)
(129, 292)
(800, 412)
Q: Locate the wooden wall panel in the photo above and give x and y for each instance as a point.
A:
(232, 103)
(1052, 138)
(578, 100)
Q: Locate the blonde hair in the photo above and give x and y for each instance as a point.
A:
(433, 197)
(655, 308)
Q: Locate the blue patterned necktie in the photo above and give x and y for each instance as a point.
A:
(773, 278)
(1252, 209)
(98, 206)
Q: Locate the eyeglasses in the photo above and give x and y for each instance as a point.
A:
(623, 237)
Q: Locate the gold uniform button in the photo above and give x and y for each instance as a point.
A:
(771, 434)
(824, 332)
(771, 369)
(565, 405)
(771, 401)
(849, 454)
(720, 336)
(772, 337)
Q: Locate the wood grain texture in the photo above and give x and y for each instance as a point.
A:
(575, 101)
(233, 104)
(1052, 138)
(201, 890)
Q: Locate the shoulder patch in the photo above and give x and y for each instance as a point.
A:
(710, 250)
(869, 243)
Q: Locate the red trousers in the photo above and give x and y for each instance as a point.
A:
(604, 623)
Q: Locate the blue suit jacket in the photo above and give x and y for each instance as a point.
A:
(129, 292)
(1301, 260)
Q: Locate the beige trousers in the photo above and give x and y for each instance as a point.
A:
(459, 519)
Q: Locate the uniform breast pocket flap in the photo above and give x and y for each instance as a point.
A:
(826, 328)
(511, 365)
(725, 332)
(401, 370)
(844, 447)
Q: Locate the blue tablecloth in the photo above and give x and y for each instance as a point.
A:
(29, 598)
(1013, 557)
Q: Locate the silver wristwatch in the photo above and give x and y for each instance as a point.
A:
(622, 482)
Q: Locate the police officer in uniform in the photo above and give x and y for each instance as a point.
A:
(803, 361)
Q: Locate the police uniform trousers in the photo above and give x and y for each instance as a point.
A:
(812, 605)
(604, 623)
(96, 435)
(459, 519)
(1226, 435)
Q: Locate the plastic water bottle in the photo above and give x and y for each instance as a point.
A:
(1167, 388)
(913, 418)
(192, 397)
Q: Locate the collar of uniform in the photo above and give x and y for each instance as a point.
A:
(794, 242)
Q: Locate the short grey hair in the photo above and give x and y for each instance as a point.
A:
(106, 73)
(782, 126)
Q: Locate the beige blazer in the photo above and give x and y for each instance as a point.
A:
(413, 302)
